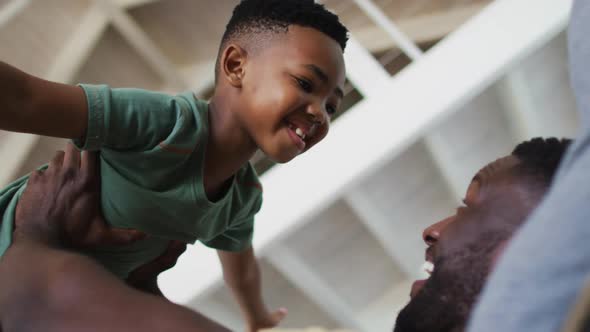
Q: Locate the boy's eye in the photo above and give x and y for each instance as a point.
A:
(305, 85)
(331, 110)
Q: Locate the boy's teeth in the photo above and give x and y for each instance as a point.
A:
(300, 133)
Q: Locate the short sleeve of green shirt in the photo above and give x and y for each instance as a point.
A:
(129, 119)
(235, 239)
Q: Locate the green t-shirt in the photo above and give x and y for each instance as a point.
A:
(152, 150)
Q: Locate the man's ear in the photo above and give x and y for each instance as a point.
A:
(233, 64)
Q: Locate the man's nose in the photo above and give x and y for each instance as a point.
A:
(433, 232)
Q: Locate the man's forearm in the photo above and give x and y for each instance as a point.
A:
(69, 292)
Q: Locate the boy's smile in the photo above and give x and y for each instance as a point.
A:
(290, 89)
(298, 135)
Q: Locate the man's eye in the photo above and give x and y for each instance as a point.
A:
(305, 85)
(462, 206)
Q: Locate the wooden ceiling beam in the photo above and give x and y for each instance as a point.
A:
(11, 10)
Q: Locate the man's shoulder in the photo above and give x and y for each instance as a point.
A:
(579, 53)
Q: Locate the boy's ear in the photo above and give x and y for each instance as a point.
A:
(233, 64)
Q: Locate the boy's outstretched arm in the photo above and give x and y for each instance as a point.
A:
(242, 275)
(33, 105)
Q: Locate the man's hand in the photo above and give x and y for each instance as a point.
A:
(145, 277)
(61, 205)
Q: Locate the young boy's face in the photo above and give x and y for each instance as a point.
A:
(290, 89)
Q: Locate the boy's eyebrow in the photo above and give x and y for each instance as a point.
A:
(324, 78)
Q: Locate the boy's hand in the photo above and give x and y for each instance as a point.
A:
(61, 205)
(145, 277)
(266, 320)
(242, 274)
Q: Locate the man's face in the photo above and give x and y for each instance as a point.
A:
(463, 246)
(290, 90)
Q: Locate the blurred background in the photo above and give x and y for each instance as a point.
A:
(436, 89)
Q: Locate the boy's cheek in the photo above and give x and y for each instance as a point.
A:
(322, 132)
(318, 137)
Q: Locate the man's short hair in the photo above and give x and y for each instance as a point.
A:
(540, 157)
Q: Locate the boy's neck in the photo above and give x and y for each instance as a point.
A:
(229, 146)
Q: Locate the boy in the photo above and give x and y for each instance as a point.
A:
(177, 168)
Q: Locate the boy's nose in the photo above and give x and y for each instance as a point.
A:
(317, 113)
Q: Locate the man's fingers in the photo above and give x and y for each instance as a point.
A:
(33, 177)
(57, 160)
(72, 157)
(168, 259)
(120, 236)
(89, 163)
(175, 248)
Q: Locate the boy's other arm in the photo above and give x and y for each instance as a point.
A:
(34, 105)
(242, 275)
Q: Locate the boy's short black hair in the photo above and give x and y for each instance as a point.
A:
(540, 157)
(255, 16)
(258, 16)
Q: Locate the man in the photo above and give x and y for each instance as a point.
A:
(546, 266)
(463, 248)
(44, 287)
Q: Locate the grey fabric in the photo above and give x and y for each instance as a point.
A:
(546, 265)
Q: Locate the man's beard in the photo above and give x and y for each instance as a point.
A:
(448, 296)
